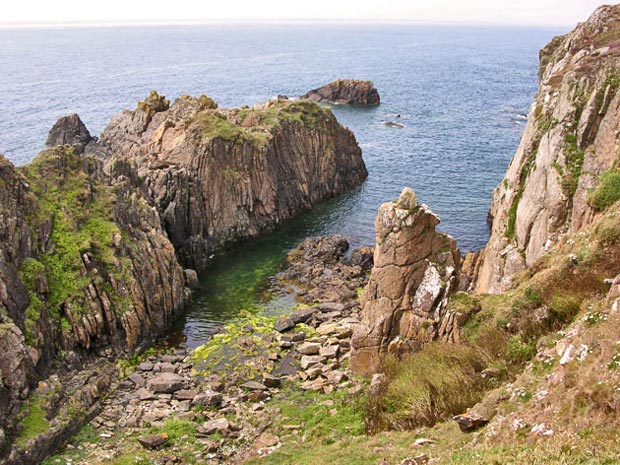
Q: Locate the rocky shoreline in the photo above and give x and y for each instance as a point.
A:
(102, 236)
(230, 408)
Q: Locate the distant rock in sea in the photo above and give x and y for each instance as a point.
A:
(346, 92)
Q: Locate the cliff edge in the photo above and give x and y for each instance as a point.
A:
(96, 237)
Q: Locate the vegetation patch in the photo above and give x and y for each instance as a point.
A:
(33, 419)
(573, 163)
(607, 192)
(440, 381)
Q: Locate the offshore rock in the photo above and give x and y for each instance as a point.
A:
(404, 303)
(569, 141)
(69, 130)
(218, 176)
(346, 92)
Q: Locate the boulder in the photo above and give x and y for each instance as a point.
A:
(470, 421)
(166, 383)
(271, 381)
(153, 441)
(284, 324)
(218, 425)
(253, 386)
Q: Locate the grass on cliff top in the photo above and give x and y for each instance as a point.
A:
(440, 381)
(213, 124)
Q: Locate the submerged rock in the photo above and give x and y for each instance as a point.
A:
(346, 91)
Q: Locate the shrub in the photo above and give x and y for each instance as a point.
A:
(520, 351)
(608, 191)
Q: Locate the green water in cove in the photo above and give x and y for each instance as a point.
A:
(238, 279)
(460, 94)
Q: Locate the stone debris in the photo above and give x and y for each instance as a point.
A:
(153, 441)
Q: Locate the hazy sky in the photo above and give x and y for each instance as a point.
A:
(538, 12)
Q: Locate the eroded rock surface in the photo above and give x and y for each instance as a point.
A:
(570, 139)
(217, 176)
(415, 269)
(69, 130)
(97, 249)
(347, 92)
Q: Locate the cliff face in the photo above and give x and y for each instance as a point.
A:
(570, 139)
(404, 303)
(217, 176)
(86, 270)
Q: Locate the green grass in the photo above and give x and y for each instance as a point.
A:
(82, 214)
(607, 192)
(428, 386)
(177, 430)
(33, 420)
(574, 157)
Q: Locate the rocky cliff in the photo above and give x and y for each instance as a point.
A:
(86, 271)
(346, 92)
(217, 176)
(570, 141)
(404, 303)
(91, 244)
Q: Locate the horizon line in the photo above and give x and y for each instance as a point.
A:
(251, 21)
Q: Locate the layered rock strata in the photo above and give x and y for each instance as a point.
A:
(217, 176)
(571, 138)
(346, 92)
(404, 303)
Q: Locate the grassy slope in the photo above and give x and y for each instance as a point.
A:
(522, 335)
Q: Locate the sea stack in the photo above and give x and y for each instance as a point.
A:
(415, 269)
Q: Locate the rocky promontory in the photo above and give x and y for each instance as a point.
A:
(346, 92)
(97, 237)
(217, 176)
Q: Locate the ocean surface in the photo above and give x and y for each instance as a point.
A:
(461, 94)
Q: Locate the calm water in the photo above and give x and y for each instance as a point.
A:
(459, 91)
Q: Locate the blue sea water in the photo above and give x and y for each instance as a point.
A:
(460, 93)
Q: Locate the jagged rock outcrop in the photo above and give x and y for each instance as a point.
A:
(69, 130)
(404, 303)
(85, 270)
(217, 176)
(16, 364)
(346, 92)
(91, 244)
(571, 138)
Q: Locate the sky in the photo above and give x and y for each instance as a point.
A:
(531, 12)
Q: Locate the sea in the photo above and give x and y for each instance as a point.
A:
(460, 93)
